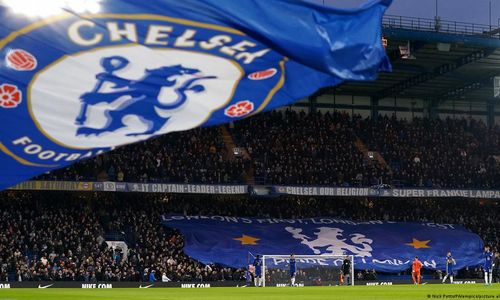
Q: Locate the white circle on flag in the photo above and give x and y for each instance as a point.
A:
(54, 96)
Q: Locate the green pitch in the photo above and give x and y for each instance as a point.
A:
(358, 292)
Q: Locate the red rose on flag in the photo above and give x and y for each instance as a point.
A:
(239, 109)
(21, 60)
(10, 96)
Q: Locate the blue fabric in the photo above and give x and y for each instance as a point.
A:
(72, 87)
(383, 246)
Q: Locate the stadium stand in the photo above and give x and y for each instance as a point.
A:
(290, 147)
(60, 236)
(195, 156)
(328, 139)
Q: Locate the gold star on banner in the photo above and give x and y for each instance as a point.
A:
(247, 240)
(419, 244)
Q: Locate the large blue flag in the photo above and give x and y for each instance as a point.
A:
(83, 81)
(380, 245)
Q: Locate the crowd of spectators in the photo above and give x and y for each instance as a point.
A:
(288, 147)
(198, 155)
(367, 275)
(453, 153)
(50, 237)
(298, 148)
(61, 235)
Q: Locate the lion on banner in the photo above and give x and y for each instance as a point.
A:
(332, 239)
(142, 96)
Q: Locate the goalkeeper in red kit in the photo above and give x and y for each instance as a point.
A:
(415, 270)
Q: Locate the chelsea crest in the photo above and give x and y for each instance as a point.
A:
(107, 80)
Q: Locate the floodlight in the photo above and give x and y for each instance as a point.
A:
(45, 8)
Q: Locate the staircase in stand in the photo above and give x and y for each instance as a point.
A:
(230, 145)
(382, 161)
(229, 142)
(376, 155)
(249, 174)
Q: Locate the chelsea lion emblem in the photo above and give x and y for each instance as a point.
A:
(110, 79)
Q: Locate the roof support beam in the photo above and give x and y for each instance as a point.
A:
(465, 89)
(399, 87)
(438, 37)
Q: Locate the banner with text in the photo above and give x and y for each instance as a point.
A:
(132, 187)
(54, 186)
(80, 80)
(229, 189)
(187, 188)
(380, 245)
(374, 192)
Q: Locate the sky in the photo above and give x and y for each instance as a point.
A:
(470, 11)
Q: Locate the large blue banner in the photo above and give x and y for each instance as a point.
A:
(86, 79)
(380, 245)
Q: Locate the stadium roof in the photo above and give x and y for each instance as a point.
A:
(465, 70)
